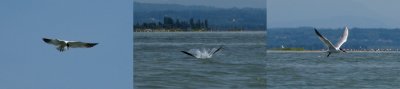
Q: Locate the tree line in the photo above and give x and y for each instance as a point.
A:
(175, 24)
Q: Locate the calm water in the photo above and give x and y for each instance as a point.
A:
(158, 62)
(354, 70)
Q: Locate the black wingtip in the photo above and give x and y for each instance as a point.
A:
(187, 53)
(218, 49)
(316, 31)
(46, 40)
(91, 44)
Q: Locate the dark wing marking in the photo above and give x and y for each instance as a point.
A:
(89, 45)
(78, 44)
(216, 50)
(53, 41)
(46, 40)
(324, 40)
(188, 53)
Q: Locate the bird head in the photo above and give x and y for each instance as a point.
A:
(67, 45)
(342, 50)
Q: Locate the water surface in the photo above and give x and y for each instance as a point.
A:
(313, 70)
(158, 62)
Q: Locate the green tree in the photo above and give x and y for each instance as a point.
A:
(168, 22)
(191, 22)
(206, 24)
(198, 24)
(177, 24)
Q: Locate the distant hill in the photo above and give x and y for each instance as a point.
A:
(305, 37)
(219, 18)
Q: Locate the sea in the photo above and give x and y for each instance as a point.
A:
(160, 64)
(352, 70)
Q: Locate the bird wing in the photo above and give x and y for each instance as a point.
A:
(77, 44)
(188, 54)
(324, 40)
(215, 51)
(54, 41)
(343, 39)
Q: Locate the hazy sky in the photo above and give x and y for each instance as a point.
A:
(334, 13)
(26, 62)
(214, 3)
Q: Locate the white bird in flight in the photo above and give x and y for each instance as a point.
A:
(331, 47)
(202, 54)
(62, 44)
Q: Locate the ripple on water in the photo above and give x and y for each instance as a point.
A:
(350, 70)
(158, 62)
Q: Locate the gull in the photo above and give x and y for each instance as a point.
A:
(202, 54)
(331, 47)
(62, 44)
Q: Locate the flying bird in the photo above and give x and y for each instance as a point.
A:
(334, 48)
(202, 54)
(62, 44)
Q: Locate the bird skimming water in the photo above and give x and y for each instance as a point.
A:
(202, 54)
(331, 47)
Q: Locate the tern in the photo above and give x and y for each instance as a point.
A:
(202, 54)
(62, 44)
(331, 47)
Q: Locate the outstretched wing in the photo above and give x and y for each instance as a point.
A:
(78, 44)
(343, 39)
(324, 40)
(53, 41)
(188, 54)
(215, 51)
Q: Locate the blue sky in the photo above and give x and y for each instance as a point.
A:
(333, 13)
(26, 62)
(213, 3)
